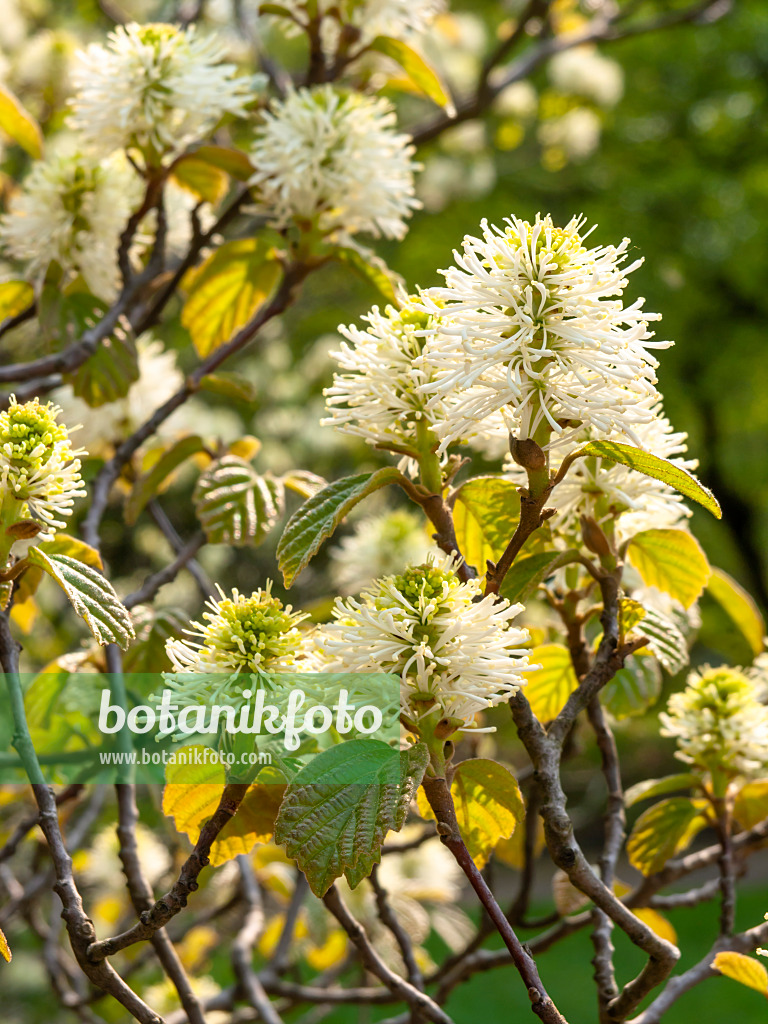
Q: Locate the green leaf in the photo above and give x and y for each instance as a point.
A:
(304, 483)
(19, 124)
(665, 641)
(527, 573)
(235, 505)
(339, 808)
(318, 518)
(90, 594)
(421, 74)
(485, 513)
(744, 969)
(651, 465)
(229, 385)
(200, 177)
(634, 688)
(488, 804)
(147, 653)
(227, 290)
(549, 687)
(72, 547)
(671, 560)
(662, 831)
(741, 609)
(15, 297)
(233, 161)
(658, 787)
(374, 271)
(108, 374)
(148, 484)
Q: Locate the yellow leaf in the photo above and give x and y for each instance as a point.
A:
(201, 178)
(332, 951)
(247, 447)
(488, 805)
(744, 969)
(740, 607)
(751, 803)
(5, 949)
(192, 794)
(671, 560)
(512, 851)
(15, 296)
(549, 687)
(25, 614)
(657, 923)
(421, 74)
(567, 897)
(662, 831)
(19, 124)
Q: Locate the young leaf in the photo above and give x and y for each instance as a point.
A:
(488, 804)
(665, 640)
(751, 803)
(549, 687)
(72, 547)
(19, 124)
(658, 787)
(527, 573)
(319, 516)
(634, 688)
(148, 484)
(671, 560)
(744, 969)
(417, 69)
(15, 296)
(662, 831)
(485, 513)
(234, 504)
(5, 949)
(304, 483)
(740, 607)
(372, 270)
(233, 161)
(90, 594)
(227, 290)
(653, 466)
(339, 808)
(200, 177)
(109, 373)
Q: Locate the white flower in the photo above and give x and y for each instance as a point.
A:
(455, 653)
(369, 18)
(39, 469)
(378, 545)
(531, 323)
(334, 160)
(584, 71)
(519, 100)
(719, 723)
(73, 210)
(155, 88)
(577, 132)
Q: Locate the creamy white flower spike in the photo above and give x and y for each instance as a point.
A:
(719, 723)
(73, 209)
(39, 469)
(379, 544)
(364, 19)
(455, 655)
(334, 161)
(531, 323)
(154, 88)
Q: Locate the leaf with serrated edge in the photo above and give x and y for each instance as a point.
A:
(319, 516)
(339, 808)
(665, 640)
(740, 607)
(744, 969)
(90, 594)
(235, 505)
(672, 561)
(549, 687)
(658, 787)
(148, 484)
(662, 831)
(488, 804)
(417, 69)
(653, 466)
(525, 574)
(634, 688)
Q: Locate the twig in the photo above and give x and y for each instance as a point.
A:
(279, 961)
(242, 947)
(27, 824)
(156, 580)
(402, 938)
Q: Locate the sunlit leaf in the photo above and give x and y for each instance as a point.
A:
(414, 65)
(149, 483)
(235, 504)
(634, 688)
(744, 969)
(671, 560)
(485, 514)
(742, 610)
(659, 787)
(19, 124)
(549, 687)
(662, 831)
(15, 297)
(202, 178)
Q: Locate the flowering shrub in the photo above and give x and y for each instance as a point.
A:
(519, 578)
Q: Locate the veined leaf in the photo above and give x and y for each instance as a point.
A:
(665, 641)
(304, 483)
(662, 831)
(200, 177)
(149, 483)
(525, 574)
(235, 505)
(227, 289)
(72, 547)
(373, 270)
(549, 687)
(90, 594)
(751, 803)
(109, 373)
(339, 808)
(671, 560)
(634, 688)
(485, 514)
(744, 969)
(488, 804)
(741, 609)
(17, 122)
(319, 516)
(414, 65)
(15, 297)
(658, 787)
(653, 466)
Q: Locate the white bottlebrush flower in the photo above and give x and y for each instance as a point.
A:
(155, 88)
(159, 378)
(455, 654)
(531, 323)
(719, 723)
(584, 71)
(39, 469)
(366, 18)
(73, 209)
(379, 545)
(334, 161)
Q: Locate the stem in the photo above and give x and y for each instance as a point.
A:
(22, 741)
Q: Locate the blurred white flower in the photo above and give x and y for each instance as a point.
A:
(577, 133)
(519, 99)
(455, 652)
(155, 88)
(531, 323)
(334, 161)
(72, 210)
(379, 545)
(719, 723)
(584, 71)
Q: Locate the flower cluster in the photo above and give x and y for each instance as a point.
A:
(456, 654)
(333, 160)
(378, 545)
(39, 469)
(72, 209)
(531, 323)
(719, 723)
(154, 88)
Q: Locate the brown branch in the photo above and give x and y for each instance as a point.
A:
(246, 939)
(155, 581)
(439, 513)
(389, 919)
